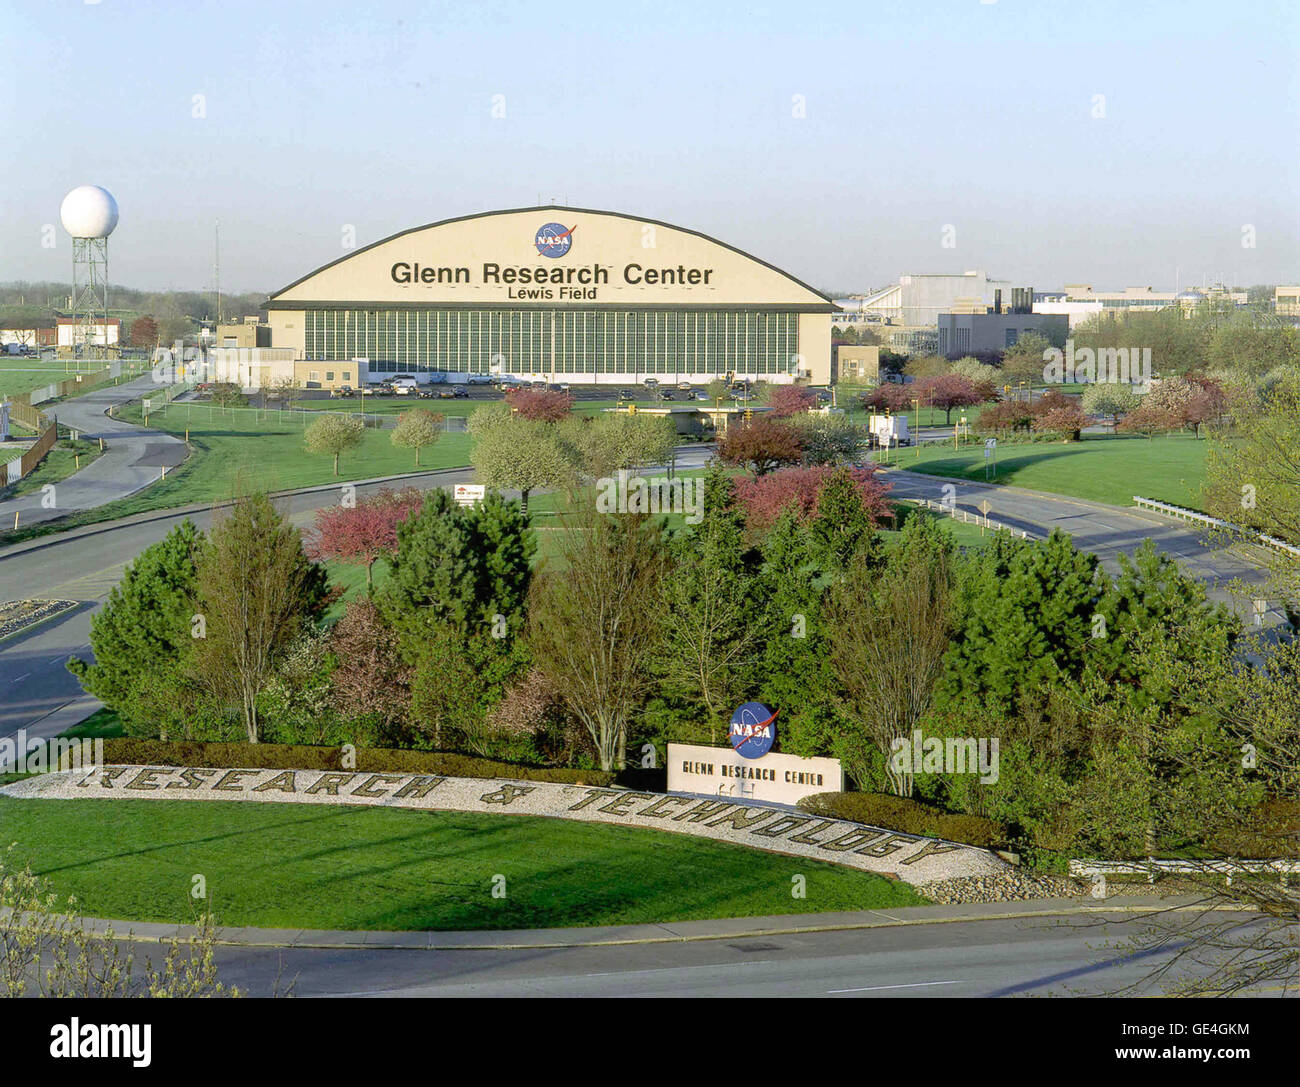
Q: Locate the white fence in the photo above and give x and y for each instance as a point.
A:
(1195, 517)
(969, 518)
(1099, 870)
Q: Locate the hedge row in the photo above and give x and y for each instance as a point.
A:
(131, 751)
(908, 816)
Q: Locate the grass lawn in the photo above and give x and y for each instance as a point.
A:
(1100, 468)
(20, 375)
(394, 405)
(59, 463)
(291, 865)
(101, 724)
(262, 451)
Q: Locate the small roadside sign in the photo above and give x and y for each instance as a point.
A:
(985, 506)
(468, 494)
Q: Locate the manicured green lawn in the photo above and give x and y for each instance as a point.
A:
(59, 463)
(290, 865)
(20, 375)
(102, 723)
(393, 405)
(1102, 469)
(263, 451)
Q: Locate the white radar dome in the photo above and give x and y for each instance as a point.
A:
(89, 212)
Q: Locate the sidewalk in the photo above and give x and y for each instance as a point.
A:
(134, 456)
(673, 932)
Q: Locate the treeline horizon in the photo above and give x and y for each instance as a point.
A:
(49, 298)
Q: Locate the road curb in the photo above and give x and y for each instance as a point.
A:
(610, 936)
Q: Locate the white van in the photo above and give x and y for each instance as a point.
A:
(405, 385)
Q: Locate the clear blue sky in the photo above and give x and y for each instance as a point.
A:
(919, 113)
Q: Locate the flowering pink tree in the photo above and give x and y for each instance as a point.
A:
(766, 497)
(362, 533)
(546, 405)
(787, 400)
(895, 398)
(948, 391)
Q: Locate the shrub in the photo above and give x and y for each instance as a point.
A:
(906, 816)
(799, 489)
(129, 751)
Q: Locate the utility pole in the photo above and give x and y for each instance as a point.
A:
(216, 267)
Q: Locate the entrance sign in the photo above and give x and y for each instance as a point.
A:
(719, 771)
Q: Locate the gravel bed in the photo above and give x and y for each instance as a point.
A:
(1011, 886)
(16, 615)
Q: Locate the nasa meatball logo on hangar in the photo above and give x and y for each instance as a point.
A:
(543, 283)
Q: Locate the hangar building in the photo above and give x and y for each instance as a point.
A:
(554, 293)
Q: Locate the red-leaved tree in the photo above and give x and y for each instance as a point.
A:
(948, 391)
(895, 398)
(787, 400)
(768, 496)
(364, 532)
(762, 444)
(546, 405)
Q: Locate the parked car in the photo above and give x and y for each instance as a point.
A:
(480, 379)
(341, 391)
(453, 392)
(627, 394)
(684, 386)
(667, 394)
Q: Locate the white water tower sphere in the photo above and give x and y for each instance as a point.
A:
(89, 212)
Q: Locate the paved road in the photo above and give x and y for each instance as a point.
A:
(989, 958)
(134, 456)
(1104, 530)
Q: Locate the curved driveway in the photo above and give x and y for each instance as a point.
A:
(134, 456)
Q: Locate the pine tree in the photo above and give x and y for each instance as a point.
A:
(1026, 619)
(456, 600)
(142, 636)
(796, 676)
(714, 614)
(842, 528)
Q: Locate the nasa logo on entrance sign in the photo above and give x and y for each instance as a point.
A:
(753, 730)
(554, 239)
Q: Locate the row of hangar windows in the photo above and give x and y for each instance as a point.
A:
(557, 341)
